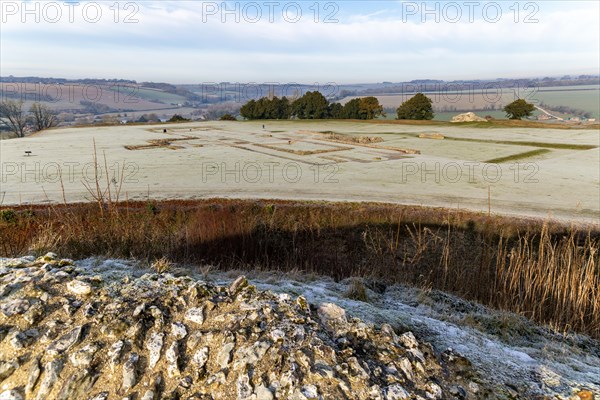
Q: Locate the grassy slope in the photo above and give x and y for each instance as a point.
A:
(547, 272)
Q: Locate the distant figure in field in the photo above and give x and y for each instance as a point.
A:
(263, 127)
(164, 131)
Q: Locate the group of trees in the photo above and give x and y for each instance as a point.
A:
(312, 105)
(19, 121)
(267, 108)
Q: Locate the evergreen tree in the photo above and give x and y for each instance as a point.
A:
(419, 107)
(352, 109)
(519, 109)
(313, 105)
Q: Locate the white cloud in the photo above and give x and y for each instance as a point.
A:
(171, 42)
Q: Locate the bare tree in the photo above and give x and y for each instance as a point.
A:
(43, 117)
(13, 116)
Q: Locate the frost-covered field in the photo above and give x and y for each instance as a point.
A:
(504, 348)
(290, 159)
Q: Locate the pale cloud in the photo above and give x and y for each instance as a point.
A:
(172, 43)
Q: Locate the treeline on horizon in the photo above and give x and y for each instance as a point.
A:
(313, 105)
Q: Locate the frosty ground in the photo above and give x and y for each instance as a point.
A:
(519, 171)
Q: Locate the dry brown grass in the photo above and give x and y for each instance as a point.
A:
(434, 135)
(162, 265)
(547, 272)
(553, 281)
(357, 291)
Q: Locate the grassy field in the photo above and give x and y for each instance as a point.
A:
(450, 103)
(69, 97)
(158, 95)
(295, 160)
(586, 98)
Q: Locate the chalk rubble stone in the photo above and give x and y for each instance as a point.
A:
(7, 369)
(14, 307)
(162, 337)
(51, 373)
(333, 317)
(84, 356)
(11, 395)
(201, 357)
(129, 371)
(263, 393)
(65, 342)
(396, 392)
(468, 117)
(115, 352)
(100, 396)
(32, 376)
(178, 330)
(79, 287)
(224, 356)
(196, 315)
(154, 346)
(172, 356)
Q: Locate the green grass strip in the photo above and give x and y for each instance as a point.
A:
(519, 156)
(558, 146)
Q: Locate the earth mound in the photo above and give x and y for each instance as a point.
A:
(66, 334)
(468, 117)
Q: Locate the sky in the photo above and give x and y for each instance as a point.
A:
(298, 41)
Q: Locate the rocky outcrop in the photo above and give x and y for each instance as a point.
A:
(468, 117)
(66, 336)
